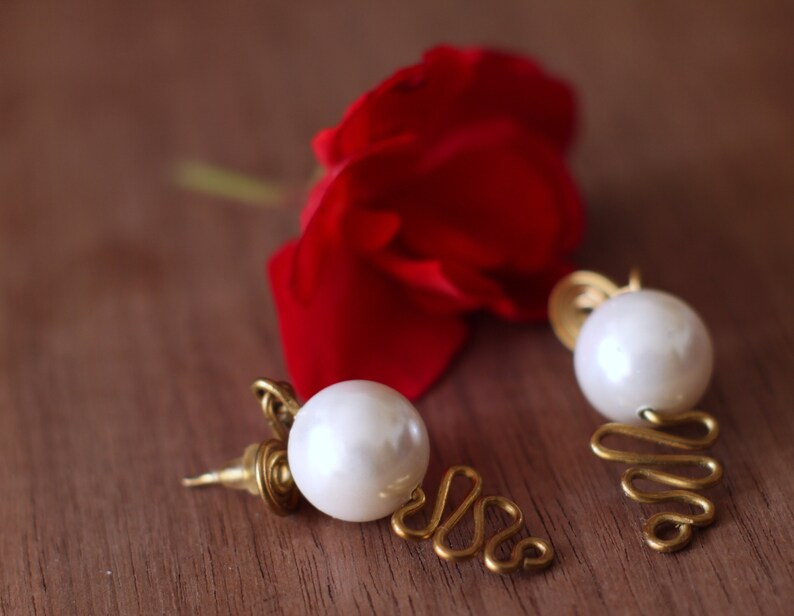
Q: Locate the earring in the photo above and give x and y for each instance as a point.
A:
(643, 359)
(358, 451)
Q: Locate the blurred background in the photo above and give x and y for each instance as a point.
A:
(100, 101)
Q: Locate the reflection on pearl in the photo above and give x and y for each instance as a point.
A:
(644, 349)
(357, 450)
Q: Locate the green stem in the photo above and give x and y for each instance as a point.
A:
(210, 180)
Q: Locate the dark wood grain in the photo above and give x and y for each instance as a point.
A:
(133, 316)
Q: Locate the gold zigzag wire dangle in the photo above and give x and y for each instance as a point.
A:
(530, 553)
(683, 493)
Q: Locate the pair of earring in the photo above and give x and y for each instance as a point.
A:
(358, 451)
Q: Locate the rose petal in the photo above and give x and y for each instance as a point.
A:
(511, 86)
(527, 295)
(449, 88)
(367, 230)
(439, 287)
(487, 203)
(490, 197)
(359, 324)
(327, 216)
(410, 101)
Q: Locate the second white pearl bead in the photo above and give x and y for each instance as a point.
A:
(643, 350)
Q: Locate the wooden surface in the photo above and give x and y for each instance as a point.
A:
(133, 315)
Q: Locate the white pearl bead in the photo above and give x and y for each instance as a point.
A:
(357, 450)
(643, 350)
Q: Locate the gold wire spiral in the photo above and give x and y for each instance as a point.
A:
(528, 554)
(574, 297)
(683, 523)
(279, 405)
(263, 467)
(273, 477)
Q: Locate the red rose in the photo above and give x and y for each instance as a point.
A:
(445, 192)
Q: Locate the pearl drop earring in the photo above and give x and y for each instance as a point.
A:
(642, 358)
(358, 451)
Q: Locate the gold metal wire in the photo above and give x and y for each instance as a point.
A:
(530, 553)
(573, 299)
(263, 467)
(279, 405)
(570, 303)
(576, 295)
(683, 523)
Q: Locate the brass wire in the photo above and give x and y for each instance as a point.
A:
(264, 469)
(576, 295)
(570, 303)
(530, 553)
(683, 523)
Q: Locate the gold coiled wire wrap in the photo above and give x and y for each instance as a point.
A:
(577, 295)
(684, 486)
(273, 477)
(279, 405)
(530, 553)
(263, 467)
